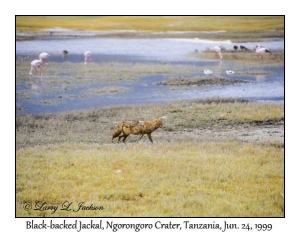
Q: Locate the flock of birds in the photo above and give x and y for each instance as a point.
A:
(258, 50)
(37, 65)
(207, 72)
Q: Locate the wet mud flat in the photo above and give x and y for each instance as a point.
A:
(185, 121)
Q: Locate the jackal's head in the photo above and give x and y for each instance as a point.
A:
(159, 123)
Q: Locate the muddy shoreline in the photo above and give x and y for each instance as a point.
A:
(185, 121)
(219, 35)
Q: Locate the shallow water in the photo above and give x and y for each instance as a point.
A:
(268, 87)
(148, 49)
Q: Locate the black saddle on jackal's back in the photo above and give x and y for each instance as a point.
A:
(133, 123)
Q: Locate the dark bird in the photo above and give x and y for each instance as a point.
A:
(235, 47)
(243, 48)
(65, 54)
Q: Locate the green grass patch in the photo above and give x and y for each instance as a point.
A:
(201, 81)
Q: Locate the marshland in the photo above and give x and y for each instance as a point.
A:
(221, 153)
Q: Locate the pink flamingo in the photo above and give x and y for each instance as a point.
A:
(218, 51)
(44, 57)
(261, 50)
(87, 57)
(36, 65)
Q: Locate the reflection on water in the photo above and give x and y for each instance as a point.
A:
(35, 96)
(260, 78)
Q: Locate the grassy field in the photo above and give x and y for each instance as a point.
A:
(152, 23)
(183, 179)
(234, 28)
(214, 158)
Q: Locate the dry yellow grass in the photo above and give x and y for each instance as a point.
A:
(152, 23)
(182, 179)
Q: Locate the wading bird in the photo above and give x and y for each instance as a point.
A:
(261, 50)
(87, 57)
(44, 58)
(230, 72)
(65, 54)
(43, 61)
(206, 71)
(36, 65)
(218, 51)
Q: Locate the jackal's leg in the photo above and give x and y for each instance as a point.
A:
(150, 138)
(141, 136)
(125, 136)
(113, 137)
(119, 138)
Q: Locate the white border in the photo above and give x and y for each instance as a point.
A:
(154, 7)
